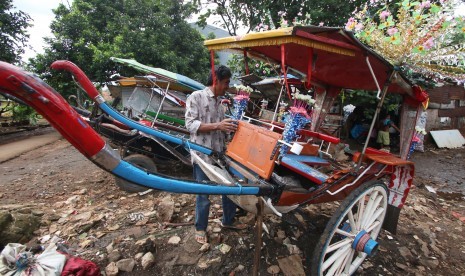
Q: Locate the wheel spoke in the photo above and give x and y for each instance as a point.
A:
(349, 263)
(344, 263)
(353, 227)
(344, 233)
(357, 261)
(376, 224)
(361, 209)
(369, 208)
(374, 217)
(338, 245)
(338, 264)
(369, 213)
(336, 256)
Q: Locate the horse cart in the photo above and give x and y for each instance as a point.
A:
(157, 100)
(265, 168)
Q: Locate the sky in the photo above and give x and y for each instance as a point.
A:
(41, 12)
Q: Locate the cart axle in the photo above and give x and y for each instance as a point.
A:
(364, 243)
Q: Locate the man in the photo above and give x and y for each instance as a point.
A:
(207, 126)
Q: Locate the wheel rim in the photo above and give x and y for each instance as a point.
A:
(343, 252)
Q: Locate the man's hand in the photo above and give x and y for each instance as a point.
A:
(227, 125)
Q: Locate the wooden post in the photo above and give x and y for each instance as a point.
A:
(258, 238)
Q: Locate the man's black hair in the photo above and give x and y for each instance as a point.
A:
(221, 72)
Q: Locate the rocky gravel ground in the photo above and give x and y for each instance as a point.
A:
(55, 191)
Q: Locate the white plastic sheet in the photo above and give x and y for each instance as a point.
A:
(48, 263)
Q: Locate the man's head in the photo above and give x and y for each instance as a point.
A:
(222, 80)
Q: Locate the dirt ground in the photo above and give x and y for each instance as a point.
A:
(81, 204)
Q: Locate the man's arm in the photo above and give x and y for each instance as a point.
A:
(194, 125)
(227, 125)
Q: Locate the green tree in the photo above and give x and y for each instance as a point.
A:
(154, 33)
(236, 15)
(13, 35)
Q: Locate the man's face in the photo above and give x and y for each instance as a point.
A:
(222, 86)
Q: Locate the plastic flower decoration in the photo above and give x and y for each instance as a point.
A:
(297, 119)
(423, 37)
(416, 139)
(420, 130)
(240, 100)
(301, 103)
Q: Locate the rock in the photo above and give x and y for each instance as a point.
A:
(126, 264)
(216, 229)
(293, 249)
(54, 217)
(166, 209)
(174, 240)
(109, 248)
(291, 265)
(438, 251)
(135, 232)
(72, 200)
(111, 269)
(114, 256)
(205, 247)
(147, 260)
(402, 266)
(38, 213)
(206, 263)
(53, 228)
(80, 192)
(86, 243)
(5, 219)
(433, 264)
(145, 245)
(82, 216)
(138, 256)
(224, 248)
(405, 252)
(273, 270)
(17, 227)
(113, 227)
(281, 234)
(59, 204)
(366, 264)
(239, 268)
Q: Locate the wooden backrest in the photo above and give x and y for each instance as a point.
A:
(252, 146)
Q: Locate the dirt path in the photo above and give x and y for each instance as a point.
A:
(11, 150)
(81, 204)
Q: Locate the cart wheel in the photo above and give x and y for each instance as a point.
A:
(350, 235)
(140, 161)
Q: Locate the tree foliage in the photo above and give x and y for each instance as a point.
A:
(13, 35)
(246, 15)
(154, 33)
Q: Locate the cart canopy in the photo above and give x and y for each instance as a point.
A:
(176, 81)
(332, 57)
